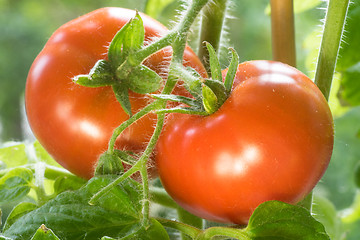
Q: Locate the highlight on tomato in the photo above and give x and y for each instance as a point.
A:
(74, 123)
(272, 139)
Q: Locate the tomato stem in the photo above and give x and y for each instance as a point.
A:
(160, 196)
(152, 106)
(333, 29)
(177, 39)
(213, 19)
(283, 31)
(188, 218)
(190, 231)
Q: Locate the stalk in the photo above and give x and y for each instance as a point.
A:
(333, 29)
(283, 31)
(213, 18)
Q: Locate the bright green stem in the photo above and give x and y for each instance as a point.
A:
(190, 231)
(143, 160)
(160, 196)
(188, 218)
(136, 167)
(334, 24)
(213, 18)
(130, 121)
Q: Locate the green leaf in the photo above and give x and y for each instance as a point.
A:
(15, 184)
(4, 238)
(348, 63)
(18, 211)
(214, 63)
(65, 183)
(71, 217)
(338, 181)
(122, 95)
(43, 156)
(143, 80)
(154, 232)
(278, 220)
(350, 85)
(348, 53)
(230, 75)
(210, 101)
(14, 155)
(43, 233)
(100, 75)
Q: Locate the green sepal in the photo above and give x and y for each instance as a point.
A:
(100, 75)
(183, 110)
(127, 40)
(143, 80)
(210, 100)
(122, 95)
(192, 80)
(109, 164)
(115, 49)
(179, 99)
(230, 76)
(214, 63)
(218, 89)
(135, 34)
(127, 157)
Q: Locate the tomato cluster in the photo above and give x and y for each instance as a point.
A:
(74, 123)
(271, 140)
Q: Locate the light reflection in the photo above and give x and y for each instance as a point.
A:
(274, 67)
(276, 78)
(64, 110)
(228, 164)
(89, 128)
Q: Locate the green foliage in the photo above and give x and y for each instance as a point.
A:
(43, 233)
(277, 220)
(349, 60)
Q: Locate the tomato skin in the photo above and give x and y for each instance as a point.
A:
(75, 123)
(272, 139)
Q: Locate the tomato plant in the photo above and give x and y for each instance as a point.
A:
(74, 123)
(272, 139)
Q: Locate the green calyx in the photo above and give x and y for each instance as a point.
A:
(112, 163)
(208, 95)
(121, 71)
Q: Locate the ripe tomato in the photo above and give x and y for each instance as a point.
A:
(75, 123)
(272, 139)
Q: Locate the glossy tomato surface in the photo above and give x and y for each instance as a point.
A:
(75, 123)
(272, 139)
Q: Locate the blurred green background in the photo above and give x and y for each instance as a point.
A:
(27, 24)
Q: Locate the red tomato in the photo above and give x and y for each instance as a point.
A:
(75, 123)
(272, 139)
